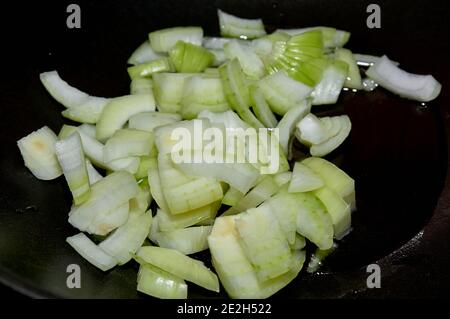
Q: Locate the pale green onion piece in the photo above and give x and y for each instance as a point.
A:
(300, 56)
(91, 252)
(232, 197)
(71, 158)
(126, 143)
(202, 93)
(180, 265)
(155, 184)
(93, 149)
(144, 164)
(141, 86)
(107, 194)
(338, 209)
(232, 26)
(215, 43)
(93, 174)
(283, 207)
(169, 174)
(286, 126)
(237, 93)
(278, 36)
(187, 240)
(329, 88)
(233, 123)
(187, 57)
(64, 93)
(158, 283)
(299, 242)
(262, 46)
(353, 80)
(333, 176)
(194, 194)
(61, 91)
(250, 62)
(261, 108)
(331, 37)
(332, 125)
(282, 178)
(219, 58)
(241, 176)
(38, 152)
(423, 88)
(66, 130)
(168, 90)
(164, 40)
(148, 121)
(310, 71)
(311, 130)
(88, 112)
(168, 222)
(140, 203)
(304, 179)
(81, 106)
(148, 68)
(234, 269)
(228, 119)
(190, 111)
(128, 164)
(117, 112)
(87, 129)
(263, 242)
(283, 92)
(143, 53)
(274, 285)
(104, 223)
(128, 238)
(313, 221)
(262, 191)
(331, 144)
(218, 43)
(203, 89)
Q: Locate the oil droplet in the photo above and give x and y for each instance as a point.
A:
(421, 108)
(28, 209)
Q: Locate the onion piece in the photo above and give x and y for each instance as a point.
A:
(91, 252)
(422, 88)
(38, 152)
(158, 283)
(304, 179)
(179, 265)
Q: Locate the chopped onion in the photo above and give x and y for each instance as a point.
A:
(158, 283)
(179, 265)
(423, 88)
(91, 252)
(38, 152)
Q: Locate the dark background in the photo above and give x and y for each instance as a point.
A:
(397, 151)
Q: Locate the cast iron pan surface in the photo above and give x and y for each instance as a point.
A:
(397, 150)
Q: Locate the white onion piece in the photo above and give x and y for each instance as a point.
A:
(423, 88)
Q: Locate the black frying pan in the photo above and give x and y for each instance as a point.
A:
(397, 151)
